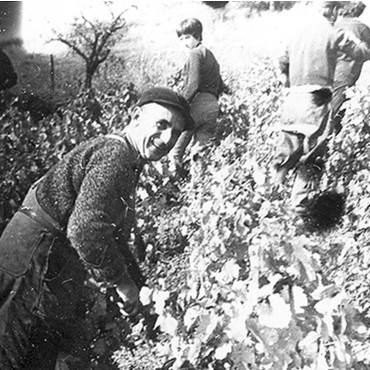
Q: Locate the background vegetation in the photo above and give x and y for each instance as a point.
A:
(234, 280)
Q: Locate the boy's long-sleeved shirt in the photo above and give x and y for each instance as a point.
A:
(202, 73)
(348, 69)
(90, 193)
(311, 55)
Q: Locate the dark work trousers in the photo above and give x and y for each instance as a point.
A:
(42, 292)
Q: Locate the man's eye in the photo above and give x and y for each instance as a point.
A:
(162, 125)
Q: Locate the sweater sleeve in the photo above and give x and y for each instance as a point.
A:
(193, 72)
(351, 46)
(365, 35)
(92, 225)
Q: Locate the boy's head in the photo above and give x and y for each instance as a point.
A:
(190, 26)
(352, 9)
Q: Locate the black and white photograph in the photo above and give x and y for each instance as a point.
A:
(184, 185)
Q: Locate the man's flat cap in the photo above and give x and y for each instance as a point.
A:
(168, 97)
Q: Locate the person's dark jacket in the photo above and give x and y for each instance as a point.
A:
(8, 76)
(90, 193)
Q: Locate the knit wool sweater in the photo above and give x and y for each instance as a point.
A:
(90, 193)
(202, 73)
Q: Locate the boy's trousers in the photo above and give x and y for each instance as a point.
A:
(305, 128)
(41, 292)
(204, 110)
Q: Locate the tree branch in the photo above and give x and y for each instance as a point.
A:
(73, 47)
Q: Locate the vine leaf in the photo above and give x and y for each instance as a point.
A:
(276, 313)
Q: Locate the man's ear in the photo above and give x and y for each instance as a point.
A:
(135, 115)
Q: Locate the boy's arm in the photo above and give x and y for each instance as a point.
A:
(193, 75)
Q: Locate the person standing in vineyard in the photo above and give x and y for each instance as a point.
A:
(306, 125)
(348, 70)
(202, 86)
(75, 222)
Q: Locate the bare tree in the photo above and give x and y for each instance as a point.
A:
(93, 40)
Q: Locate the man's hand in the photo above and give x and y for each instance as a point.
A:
(129, 294)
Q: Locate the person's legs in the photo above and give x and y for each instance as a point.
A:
(24, 249)
(44, 348)
(204, 110)
(178, 151)
(339, 97)
(24, 343)
(305, 120)
(305, 187)
(289, 149)
(58, 344)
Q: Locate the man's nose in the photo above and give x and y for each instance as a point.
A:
(167, 136)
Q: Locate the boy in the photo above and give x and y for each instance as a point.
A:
(203, 85)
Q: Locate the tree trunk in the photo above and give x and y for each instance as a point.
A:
(88, 80)
(91, 68)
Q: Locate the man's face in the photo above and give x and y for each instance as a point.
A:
(189, 41)
(156, 129)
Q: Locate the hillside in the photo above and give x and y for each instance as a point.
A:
(234, 279)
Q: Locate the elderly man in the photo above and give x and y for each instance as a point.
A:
(309, 64)
(76, 221)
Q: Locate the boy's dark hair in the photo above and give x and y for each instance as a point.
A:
(352, 9)
(190, 26)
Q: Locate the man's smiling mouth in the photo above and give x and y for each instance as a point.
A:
(161, 147)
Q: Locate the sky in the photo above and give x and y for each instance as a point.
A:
(42, 17)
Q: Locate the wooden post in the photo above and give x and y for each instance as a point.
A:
(52, 73)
